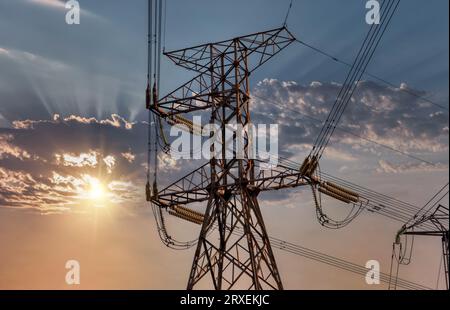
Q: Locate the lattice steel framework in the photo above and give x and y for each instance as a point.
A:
(238, 254)
(439, 219)
(434, 224)
(240, 251)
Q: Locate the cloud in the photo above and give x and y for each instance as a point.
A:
(337, 154)
(110, 162)
(331, 153)
(50, 165)
(384, 114)
(387, 167)
(54, 160)
(61, 6)
(31, 60)
(168, 163)
(4, 51)
(115, 121)
(69, 74)
(124, 191)
(49, 3)
(21, 190)
(81, 160)
(130, 157)
(8, 149)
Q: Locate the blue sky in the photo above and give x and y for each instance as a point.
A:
(71, 112)
(108, 49)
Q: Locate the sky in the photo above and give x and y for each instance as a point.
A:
(73, 136)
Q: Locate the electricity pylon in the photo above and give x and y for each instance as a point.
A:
(239, 251)
(432, 223)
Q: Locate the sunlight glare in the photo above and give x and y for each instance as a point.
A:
(96, 191)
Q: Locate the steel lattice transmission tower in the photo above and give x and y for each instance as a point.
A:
(433, 223)
(239, 252)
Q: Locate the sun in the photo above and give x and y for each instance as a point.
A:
(96, 190)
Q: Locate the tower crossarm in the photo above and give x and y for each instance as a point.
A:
(437, 219)
(189, 189)
(279, 177)
(196, 187)
(258, 47)
(217, 65)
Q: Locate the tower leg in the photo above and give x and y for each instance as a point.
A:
(445, 253)
(234, 247)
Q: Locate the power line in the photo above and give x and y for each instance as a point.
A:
(377, 78)
(277, 104)
(375, 202)
(436, 204)
(429, 202)
(334, 261)
(338, 263)
(347, 88)
(380, 79)
(323, 258)
(237, 210)
(353, 78)
(287, 14)
(434, 214)
(165, 26)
